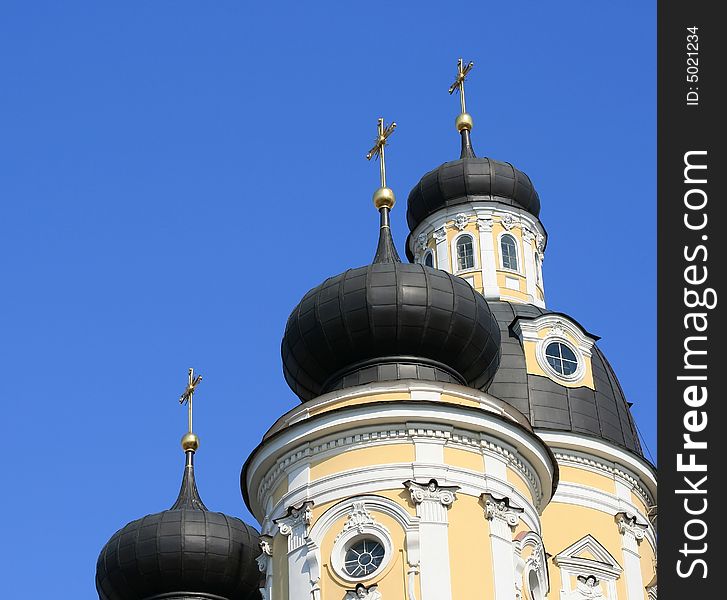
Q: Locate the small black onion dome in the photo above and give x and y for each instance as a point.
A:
(457, 181)
(389, 321)
(184, 552)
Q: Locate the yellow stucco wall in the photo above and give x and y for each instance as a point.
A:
(465, 459)
(565, 524)
(362, 457)
(588, 478)
(470, 554)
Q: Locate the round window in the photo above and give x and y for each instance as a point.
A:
(363, 557)
(561, 358)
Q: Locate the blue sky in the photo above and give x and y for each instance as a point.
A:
(174, 176)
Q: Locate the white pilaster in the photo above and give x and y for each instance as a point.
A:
(265, 564)
(503, 519)
(632, 533)
(531, 273)
(294, 525)
(440, 237)
(488, 260)
(432, 502)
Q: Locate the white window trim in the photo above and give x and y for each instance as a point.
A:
(374, 531)
(556, 327)
(546, 366)
(518, 254)
(429, 251)
(475, 253)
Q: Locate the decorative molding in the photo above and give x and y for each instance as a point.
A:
(570, 458)
(577, 567)
(540, 243)
(453, 437)
(485, 224)
(361, 522)
(587, 586)
(358, 519)
(509, 222)
(560, 330)
(432, 491)
(535, 562)
(528, 234)
(500, 510)
(628, 525)
(265, 565)
(557, 329)
(440, 234)
(432, 500)
(461, 220)
(422, 241)
(295, 524)
(364, 593)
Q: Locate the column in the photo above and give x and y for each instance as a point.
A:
(294, 525)
(440, 237)
(432, 502)
(632, 532)
(265, 564)
(531, 273)
(503, 519)
(488, 260)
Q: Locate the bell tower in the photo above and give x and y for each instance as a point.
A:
(478, 218)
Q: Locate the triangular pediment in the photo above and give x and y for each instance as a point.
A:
(588, 555)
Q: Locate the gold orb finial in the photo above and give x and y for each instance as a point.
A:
(463, 122)
(384, 198)
(190, 441)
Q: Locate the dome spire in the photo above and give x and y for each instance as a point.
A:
(188, 493)
(383, 197)
(464, 119)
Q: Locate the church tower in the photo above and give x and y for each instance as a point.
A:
(455, 438)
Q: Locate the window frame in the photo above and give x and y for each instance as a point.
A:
(518, 253)
(455, 253)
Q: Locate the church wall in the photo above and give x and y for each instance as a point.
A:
(486, 222)
(391, 581)
(470, 553)
(402, 452)
(565, 524)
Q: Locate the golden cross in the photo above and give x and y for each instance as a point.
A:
(462, 71)
(384, 131)
(192, 383)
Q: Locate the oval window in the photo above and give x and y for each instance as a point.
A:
(363, 557)
(561, 358)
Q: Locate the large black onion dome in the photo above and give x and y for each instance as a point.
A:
(456, 182)
(186, 552)
(389, 321)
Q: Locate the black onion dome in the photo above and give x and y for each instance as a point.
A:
(389, 321)
(456, 182)
(186, 552)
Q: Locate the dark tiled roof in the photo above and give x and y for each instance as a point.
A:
(455, 182)
(186, 552)
(389, 321)
(603, 413)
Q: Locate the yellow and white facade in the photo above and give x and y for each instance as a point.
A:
(431, 490)
(464, 497)
(486, 223)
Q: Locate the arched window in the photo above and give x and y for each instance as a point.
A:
(429, 259)
(465, 253)
(508, 248)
